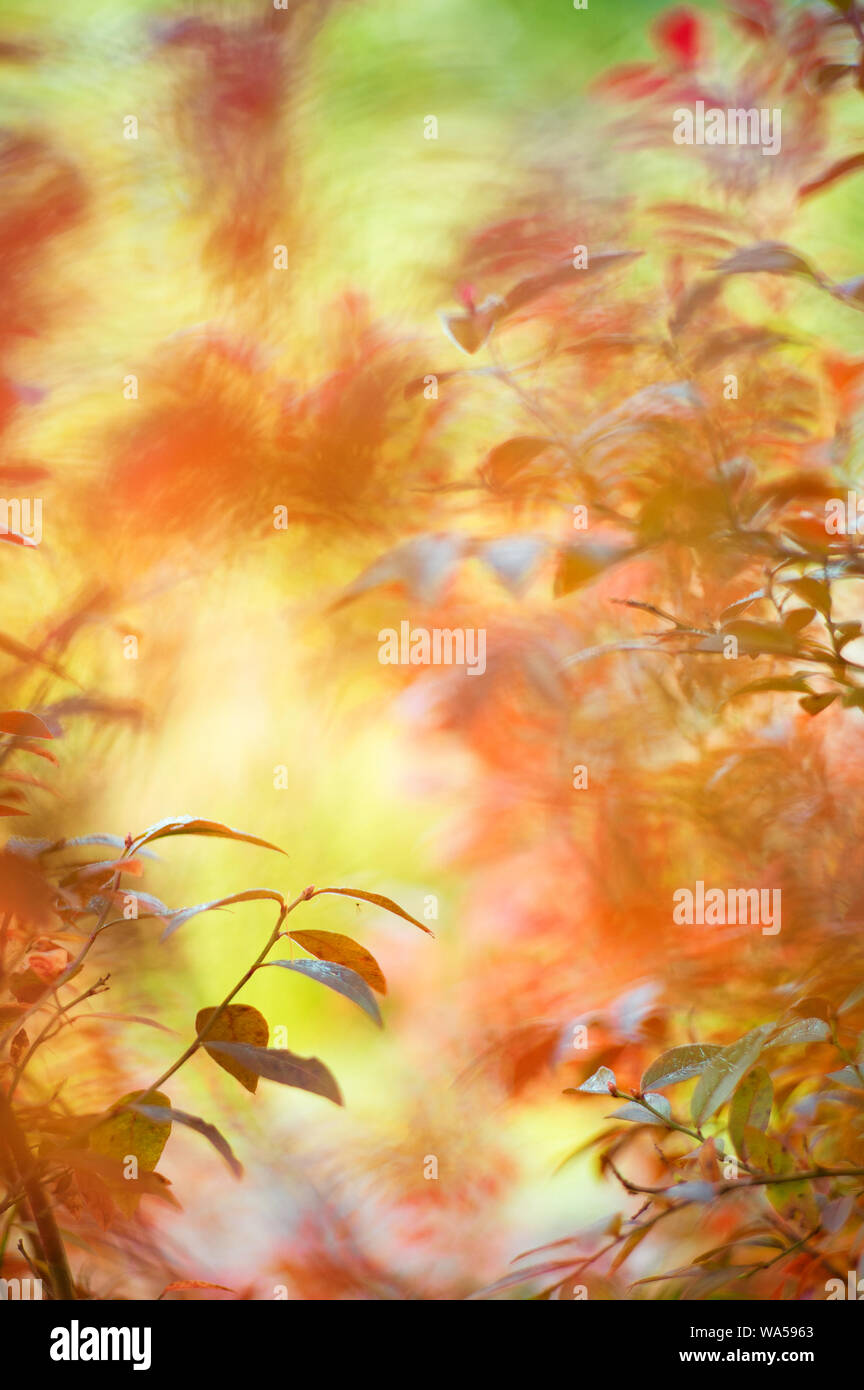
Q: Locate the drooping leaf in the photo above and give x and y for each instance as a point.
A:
(338, 978)
(22, 724)
(769, 257)
(750, 1106)
(278, 1064)
(832, 174)
(640, 1115)
(814, 704)
(565, 274)
(378, 901)
(238, 1023)
(202, 1127)
(679, 1064)
(190, 825)
(797, 683)
(11, 647)
(470, 328)
(180, 1284)
(505, 460)
(249, 895)
(577, 564)
(330, 945)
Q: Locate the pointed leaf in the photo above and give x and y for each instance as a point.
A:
(124, 1134)
(338, 978)
(378, 901)
(277, 1064)
(640, 1115)
(189, 825)
(330, 945)
(595, 1085)
(751, 1106)
(209, 1132)
(804, 1030)
(237, 1023)
(725, 1070)
(679, 1064)
(22, 724)
(249, 895)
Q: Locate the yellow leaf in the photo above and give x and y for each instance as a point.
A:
(237, 1023)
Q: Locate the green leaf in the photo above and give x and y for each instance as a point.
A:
(338, 978)
(237, 1023)
(277, 1064)
(725, 1070)
(679, 1064)
(751, 1105)
(378, 901)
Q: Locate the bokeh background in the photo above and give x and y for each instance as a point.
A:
(256, 697)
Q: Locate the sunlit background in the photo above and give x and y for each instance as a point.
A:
(257, 698)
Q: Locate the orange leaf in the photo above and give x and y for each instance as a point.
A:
(237, 1023)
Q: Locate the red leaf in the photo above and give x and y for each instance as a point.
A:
(23, 724)
(679, 36)
(193, 1284)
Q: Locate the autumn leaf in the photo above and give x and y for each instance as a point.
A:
(378, 901)
(189, 825)
(278, 1064)
(328, 945)
(202, 1127)
(125, 1134)
(236, 1023)
(22, 724)
(338, 978)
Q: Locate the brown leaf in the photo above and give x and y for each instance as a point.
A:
(278, 1064)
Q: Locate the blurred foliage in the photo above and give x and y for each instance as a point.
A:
(438, 412)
